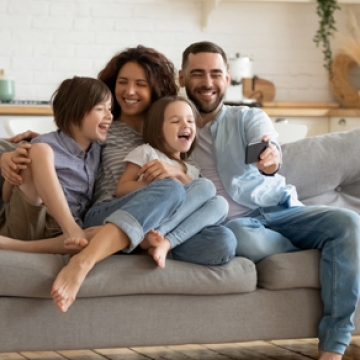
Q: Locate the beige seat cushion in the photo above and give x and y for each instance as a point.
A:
(287, 271)
(32, 275)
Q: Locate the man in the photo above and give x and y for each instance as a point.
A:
(265, 214)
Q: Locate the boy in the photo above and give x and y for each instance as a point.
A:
(58, 183)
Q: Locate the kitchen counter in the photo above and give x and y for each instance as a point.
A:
(25, 110)
(297, 109)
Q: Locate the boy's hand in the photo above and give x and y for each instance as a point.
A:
(270, 158)
(13, 162)
(27, 135)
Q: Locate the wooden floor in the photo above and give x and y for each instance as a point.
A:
(257, 350)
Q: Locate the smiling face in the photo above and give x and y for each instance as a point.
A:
(205, 78)
(179, 128)
(132, 90)
(95, 124)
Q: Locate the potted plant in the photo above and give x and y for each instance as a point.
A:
(325, 10)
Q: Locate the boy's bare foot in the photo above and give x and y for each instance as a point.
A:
(75, 243)
(152, 239)
(159, 252)
(68, 282)
(325, 355)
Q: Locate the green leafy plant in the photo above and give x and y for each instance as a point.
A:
(325, 10)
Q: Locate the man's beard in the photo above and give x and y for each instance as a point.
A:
(202, 109)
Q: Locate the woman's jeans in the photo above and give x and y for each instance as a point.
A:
(334, 231)
(201, 208)
(150, 206)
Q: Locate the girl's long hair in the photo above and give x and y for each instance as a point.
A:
(153, 127)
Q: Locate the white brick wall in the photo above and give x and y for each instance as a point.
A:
(45, 41)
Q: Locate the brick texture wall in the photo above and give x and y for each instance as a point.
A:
(44, 41)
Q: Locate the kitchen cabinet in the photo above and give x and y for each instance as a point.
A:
(316, 125)
(344, 123)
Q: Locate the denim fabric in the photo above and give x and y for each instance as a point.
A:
(139, 211)
(200, 209)
(146, 208)
(213, 245)
(336, 233)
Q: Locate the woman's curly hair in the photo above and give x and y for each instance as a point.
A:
(160, 72)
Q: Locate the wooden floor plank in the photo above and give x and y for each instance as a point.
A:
(197, 352)
(161, 353)
(11, 356)
(81, 355)
(120, 354)
(237, 351)
(303, 349)
(42, 355)
(308, 348)
(274, 352)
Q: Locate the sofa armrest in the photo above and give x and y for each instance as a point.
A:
(325, 169)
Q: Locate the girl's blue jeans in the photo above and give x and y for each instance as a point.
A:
(336, 233)
(150, 207)
(201, 208)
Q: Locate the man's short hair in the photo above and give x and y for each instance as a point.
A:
(200, 47)
(75, 98)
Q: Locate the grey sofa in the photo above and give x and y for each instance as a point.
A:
(127, 301)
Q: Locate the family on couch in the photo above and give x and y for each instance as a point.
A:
(265, 216)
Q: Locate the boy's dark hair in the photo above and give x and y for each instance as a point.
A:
(75, 98)
(160, 72)
(200, 47)
(153, 126)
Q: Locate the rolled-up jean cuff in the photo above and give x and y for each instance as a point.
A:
(131, 227)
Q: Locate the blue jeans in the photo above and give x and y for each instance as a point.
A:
(147, 208)
(334, 231)
(201, 208)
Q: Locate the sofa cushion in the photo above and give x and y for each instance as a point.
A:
(32, 275)
(325, 169)
(287, 271)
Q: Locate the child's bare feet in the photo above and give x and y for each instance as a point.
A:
(152, 239)
(75, 243)
(68, 282)
(159, 252)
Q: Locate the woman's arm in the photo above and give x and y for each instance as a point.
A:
(12, 162)
(128, 182)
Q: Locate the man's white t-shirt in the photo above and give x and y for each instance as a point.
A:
(145, 153)
(204, 157)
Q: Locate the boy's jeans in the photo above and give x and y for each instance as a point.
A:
(334, 231)
(147, 208)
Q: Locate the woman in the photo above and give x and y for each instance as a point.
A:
(136, 77)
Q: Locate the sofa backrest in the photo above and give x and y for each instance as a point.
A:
(325, 169)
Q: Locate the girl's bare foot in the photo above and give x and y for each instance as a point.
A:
(152, 239)
(159, 252)
(68, 282)
(75, 243)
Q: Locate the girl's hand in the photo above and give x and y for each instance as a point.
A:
(269, 159)
(156, 170)
(13, 162)
(27, 135)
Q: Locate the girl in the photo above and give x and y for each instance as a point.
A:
(169, 133)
